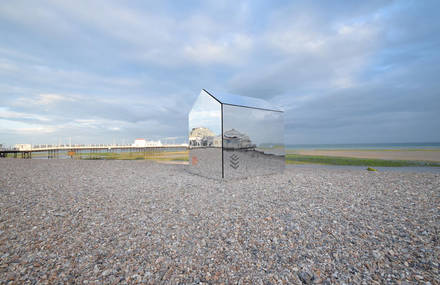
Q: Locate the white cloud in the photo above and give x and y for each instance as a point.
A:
(44, 99)
(295, 40)
(8, 114)
(231, 51)
(7, 67)
(17, 55)
(137, 66)
(303, 53)
(16, 127)
(36, 130)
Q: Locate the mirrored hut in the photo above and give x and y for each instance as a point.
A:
(235, 136)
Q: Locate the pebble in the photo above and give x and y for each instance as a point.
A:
(108, 222)
(377, 254)
(106, 272)
(305, 277)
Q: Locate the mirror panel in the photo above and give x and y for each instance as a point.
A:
(229, 99)
(205, 153)
(253, 142)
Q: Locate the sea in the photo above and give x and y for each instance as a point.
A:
(372, 146)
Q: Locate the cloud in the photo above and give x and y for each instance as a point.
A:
(304, 56)
(231, 51)
(102, 71)
(12, 115)
(44, 99)
(23, 128)
(35, 130)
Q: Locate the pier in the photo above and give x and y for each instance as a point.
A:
(53, 151)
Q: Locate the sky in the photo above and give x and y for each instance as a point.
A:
(112, 71)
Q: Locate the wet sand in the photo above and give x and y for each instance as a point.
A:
(418, 155)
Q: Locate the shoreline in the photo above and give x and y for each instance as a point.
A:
(338, 157)
(391, 154)
(402, 169)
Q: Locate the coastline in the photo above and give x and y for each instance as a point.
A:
(400, 169)
(386, 154)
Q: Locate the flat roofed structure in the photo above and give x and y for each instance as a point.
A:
(235, 136)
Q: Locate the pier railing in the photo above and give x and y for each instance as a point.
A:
(26, 152)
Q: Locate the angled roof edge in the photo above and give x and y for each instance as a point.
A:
(244, 101)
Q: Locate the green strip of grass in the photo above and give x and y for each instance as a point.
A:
(294, 151)
(162, 156)
(335, 160)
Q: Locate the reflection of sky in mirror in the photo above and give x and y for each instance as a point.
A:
(206, 113)
(244, 101)
(262, 127)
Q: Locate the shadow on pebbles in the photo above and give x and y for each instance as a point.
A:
(95, 222)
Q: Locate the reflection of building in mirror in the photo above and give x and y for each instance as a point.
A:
(204, 137)
(233, 139)
(235, 136)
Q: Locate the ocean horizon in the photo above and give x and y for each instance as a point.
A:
(419, 145)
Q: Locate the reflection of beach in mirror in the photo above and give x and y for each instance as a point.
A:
(237, 140)
(204, 123)
(253, 141)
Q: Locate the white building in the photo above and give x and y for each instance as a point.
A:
(23, 146)
(145, 143)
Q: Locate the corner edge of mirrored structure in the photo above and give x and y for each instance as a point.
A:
(204, 139)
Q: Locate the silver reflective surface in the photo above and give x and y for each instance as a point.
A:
(234, 141)
(204, 122)
(245, 101)
(253, 142)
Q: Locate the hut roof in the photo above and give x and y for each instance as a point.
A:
(244, 101)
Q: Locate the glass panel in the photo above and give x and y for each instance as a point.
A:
(244, 101)
(253, 141)
(205, 154)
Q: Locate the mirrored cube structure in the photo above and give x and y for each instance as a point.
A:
(235, 136)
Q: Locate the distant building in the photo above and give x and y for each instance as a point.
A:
(233, 139)
(204, 137)
(23, 146)
(145, 143)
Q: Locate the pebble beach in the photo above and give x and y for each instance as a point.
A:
(126, 222)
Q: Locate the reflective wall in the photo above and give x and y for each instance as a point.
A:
(232, 141)
(205, 125)
(253, 141)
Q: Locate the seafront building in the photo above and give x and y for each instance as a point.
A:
(23, 146)
(145, 143)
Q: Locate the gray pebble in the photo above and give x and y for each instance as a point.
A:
(101, 222)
